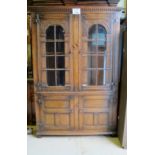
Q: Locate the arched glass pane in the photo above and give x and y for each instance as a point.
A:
(50, 32)
(55, 59)
(97, 36)
(101, 38)
(59, 32)
(93, 32)
(96, 48)
(50, 35)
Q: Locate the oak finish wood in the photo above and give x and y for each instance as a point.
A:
(76, 108)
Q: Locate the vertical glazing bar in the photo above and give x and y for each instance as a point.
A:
(55, 54)
(104, 71)
(38, 46)
(96, 55)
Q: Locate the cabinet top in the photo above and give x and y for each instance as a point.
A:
(72, 2)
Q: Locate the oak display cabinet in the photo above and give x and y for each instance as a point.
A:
(76, 69)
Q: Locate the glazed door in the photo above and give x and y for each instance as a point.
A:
(77, 71)
(95, 69)
(54, 54)
(98, 109)
(55, 105)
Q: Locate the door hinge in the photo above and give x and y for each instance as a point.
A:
(37, 85)
(41, 99)
(40, 86)
(37, 18)
(112, 85)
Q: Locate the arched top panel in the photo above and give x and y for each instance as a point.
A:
(98, 35)
(55, 32)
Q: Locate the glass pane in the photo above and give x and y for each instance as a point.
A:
(61, 78)
(50, 62)
(101, 61)
(93, 32)
(101, 38)
(97, 45)
(55, 47)
(92, 77)
(98, 34)
(60, 47)
(59, 32)
(51, 78)
(49, 47)
(60, 62)
(100, 77)
(92, 63)
(50, 33)
(101, 32)
(92, 46)
(101, 48)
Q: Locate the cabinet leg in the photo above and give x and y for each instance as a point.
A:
(38, 136)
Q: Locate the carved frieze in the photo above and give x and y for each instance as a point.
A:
(68, 9)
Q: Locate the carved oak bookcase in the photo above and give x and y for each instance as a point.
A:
(76, 69)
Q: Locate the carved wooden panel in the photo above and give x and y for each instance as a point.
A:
(57, 113)
(95, 113)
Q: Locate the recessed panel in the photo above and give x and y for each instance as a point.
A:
(102, 118)
(49, 119)
(56, 104)
(62, 120)
(95, 103)
(88, 119)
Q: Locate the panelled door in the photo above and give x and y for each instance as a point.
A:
(55, 105)
(98, 109)
(75, 76)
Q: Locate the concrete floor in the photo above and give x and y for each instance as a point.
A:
(74, 145)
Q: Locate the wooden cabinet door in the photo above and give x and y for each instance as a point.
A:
(55, 70)
(56, 113)
(96, 114)
(98, 72)
(93, 112)
(96, 52)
